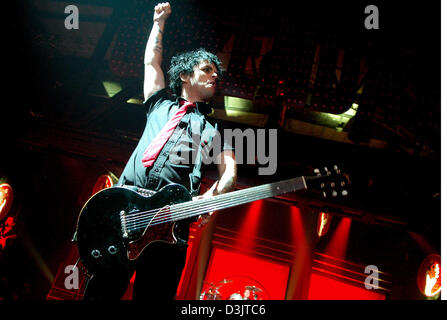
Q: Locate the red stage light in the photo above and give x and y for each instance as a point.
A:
(429, 276)
(6, 197)
(103, 182)
(297, 229)
(302, 262)
(250, 225)
(339, 241)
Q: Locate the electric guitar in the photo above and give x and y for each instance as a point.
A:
(116, 224)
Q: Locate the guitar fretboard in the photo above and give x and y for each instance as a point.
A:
(235, 198)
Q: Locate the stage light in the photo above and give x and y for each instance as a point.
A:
(429, 276)
(135, 101)
(324, 220)
(235, 103)
(6, 197)
(338, 244)
(302, 261)
(112, 87)
(103, 182)
(250, 225)
(341, 118)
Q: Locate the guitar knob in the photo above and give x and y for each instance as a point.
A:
(112, 250)
(95, 253)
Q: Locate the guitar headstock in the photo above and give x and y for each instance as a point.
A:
(330, 181)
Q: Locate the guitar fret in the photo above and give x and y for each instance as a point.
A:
(236, 198)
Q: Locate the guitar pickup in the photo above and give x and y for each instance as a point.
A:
(145, 192)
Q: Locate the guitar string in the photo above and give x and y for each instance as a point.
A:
(189, 204)
(194, 203)
(212, 203)
(145, 218)
(175, 208)
(164, 217)
(133, 218)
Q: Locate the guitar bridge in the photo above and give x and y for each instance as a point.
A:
(123, 224)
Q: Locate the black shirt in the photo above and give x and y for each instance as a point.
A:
(180, 164)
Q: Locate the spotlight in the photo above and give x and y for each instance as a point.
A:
(429, 276)
(324, 220)
(103, 182)
(6, 196)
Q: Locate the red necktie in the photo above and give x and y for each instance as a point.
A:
(154, 148)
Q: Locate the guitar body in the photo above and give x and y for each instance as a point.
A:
(107, 242)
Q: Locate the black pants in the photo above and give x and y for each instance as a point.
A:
(158, 272)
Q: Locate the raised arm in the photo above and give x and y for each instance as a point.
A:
(154, 79)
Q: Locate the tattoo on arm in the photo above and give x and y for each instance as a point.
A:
(154, 46)
(158, 48)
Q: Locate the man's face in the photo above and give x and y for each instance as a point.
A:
(201, 84)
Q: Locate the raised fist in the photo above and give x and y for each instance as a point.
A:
(162, 11)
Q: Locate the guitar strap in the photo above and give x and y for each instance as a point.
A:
(195, 177)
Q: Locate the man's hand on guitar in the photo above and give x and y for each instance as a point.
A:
(162, 11)
(204, 218)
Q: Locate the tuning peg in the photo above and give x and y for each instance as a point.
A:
(327, 171)
(324, 194)
(337, 170)
(334, 193)
(344, 193)
(322, 185)
(317, 172)
(332, 184)
(342, 183)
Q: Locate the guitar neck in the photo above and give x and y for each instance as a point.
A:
(235, 198)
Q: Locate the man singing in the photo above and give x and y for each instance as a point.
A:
(180, 114)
